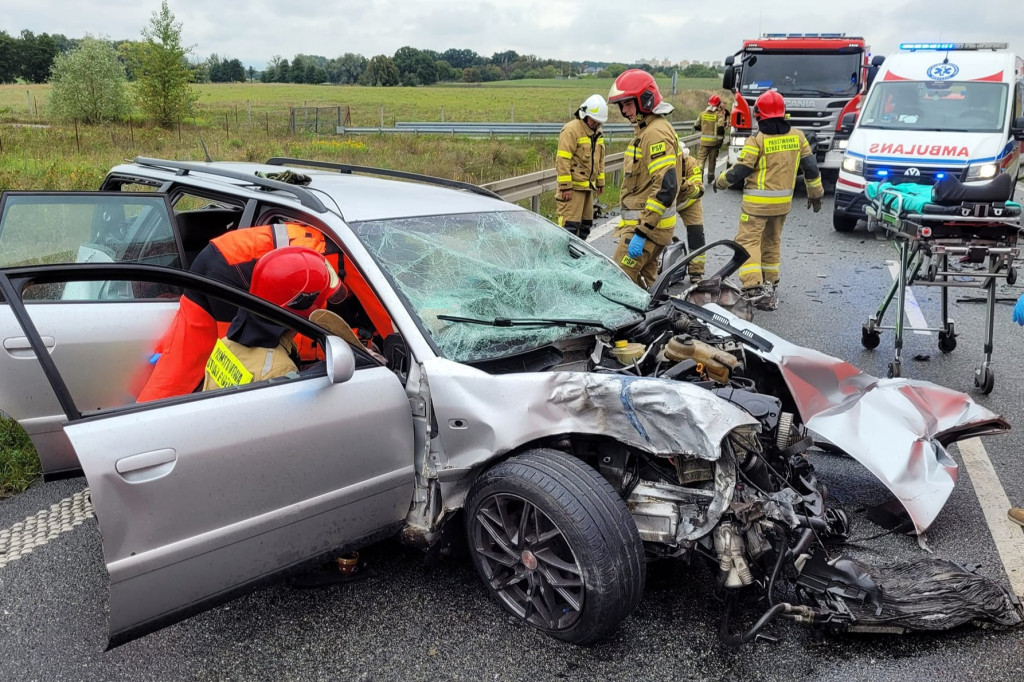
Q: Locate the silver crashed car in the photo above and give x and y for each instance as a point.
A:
(532, 400)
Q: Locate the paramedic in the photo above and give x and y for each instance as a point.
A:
(767, 166)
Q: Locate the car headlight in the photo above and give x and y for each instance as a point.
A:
(853, 165)
(840, 144)
(982, 171)
(738, 140)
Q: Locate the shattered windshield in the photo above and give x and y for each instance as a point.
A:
(499, 266)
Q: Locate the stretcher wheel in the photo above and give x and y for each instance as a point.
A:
(869, 339)
(947, 342)
(895, 370)
(984, 379)
(1011, 275)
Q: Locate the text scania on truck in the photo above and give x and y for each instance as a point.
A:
(820, 75)
(935, 109)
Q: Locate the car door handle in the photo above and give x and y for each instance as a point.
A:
(19, 347)
(146, 466)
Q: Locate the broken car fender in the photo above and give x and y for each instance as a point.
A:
(897, 428)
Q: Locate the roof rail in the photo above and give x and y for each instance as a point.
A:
(345, 168)
(305, 197)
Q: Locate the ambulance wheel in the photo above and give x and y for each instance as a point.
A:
(843, 223)
(870, 339)
(947, 342)
(984, 379)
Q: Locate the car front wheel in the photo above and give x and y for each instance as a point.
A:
(555, 545)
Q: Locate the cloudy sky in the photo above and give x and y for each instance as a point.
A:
(254, 30)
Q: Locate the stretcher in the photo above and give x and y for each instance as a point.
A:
(975, 224)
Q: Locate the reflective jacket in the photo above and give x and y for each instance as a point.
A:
(579, 162)
(711, 124)
(768, 165)
(650, 181)
(692, 187)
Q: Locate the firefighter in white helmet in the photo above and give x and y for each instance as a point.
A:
(579, 166)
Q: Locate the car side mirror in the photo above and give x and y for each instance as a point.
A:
(730, 60)
(729, 78)
(847, 123)
(341, 361)
(1017, 129)
(878, 60)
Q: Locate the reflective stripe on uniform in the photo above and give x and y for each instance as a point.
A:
(663, 162)
(564, 154)
(581, 185)
(564, 178)
(749, 269)
(688, 204)
(769, 267)
(656, 206)
(600, 176)
(600, 141)
(583, 140)
(816, 182)
(281, 238)
(754, 199)
(709, 138)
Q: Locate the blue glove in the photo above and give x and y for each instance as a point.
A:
(1018, 311)
(636, 247)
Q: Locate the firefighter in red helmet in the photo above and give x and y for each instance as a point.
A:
(711, 124)
(650, 176)
(767, 166)
(256, 349)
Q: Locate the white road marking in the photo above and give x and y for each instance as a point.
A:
(35, 531)
(1008, 536)
(604, 228)
(915, 317)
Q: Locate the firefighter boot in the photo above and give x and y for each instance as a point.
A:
(695, 240)
(573, 226)
(585, 227)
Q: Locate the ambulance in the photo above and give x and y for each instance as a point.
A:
(934, 109)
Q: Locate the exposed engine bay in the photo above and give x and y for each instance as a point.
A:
(756, 511)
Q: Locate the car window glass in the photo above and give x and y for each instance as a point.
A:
(87, 228)
(502, 265)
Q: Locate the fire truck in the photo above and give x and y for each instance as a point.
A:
(822, 76)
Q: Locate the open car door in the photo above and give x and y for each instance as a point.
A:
(201, 496)
(81, 227)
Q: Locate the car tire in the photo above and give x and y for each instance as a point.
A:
(578, 570)
(843, 223)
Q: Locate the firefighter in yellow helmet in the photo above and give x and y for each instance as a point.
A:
(579, 166)
(650, 177)
(767, 166)
(711, 124)
(691, 210)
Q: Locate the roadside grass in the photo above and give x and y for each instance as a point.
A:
(19, 464)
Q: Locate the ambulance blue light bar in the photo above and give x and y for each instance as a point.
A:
(945, 47)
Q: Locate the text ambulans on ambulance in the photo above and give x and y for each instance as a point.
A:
(934, 109)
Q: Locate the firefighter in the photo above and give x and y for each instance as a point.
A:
(691, 211)
(650, 178)
(579, 165)
(255, 349)
(711, 125)
(181, 354)
(767, 166)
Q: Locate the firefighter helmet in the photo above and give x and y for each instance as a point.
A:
(595, 107)
(296, 278)
(714, 101)
(639, 85)
(770, 105)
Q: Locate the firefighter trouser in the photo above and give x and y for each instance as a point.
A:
(693, 217)
(707, 158)
(576, 214)
(761, 236)
(642, 270)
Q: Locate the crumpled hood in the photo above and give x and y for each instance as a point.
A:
(897, 428)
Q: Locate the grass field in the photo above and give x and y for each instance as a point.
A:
(251, 122)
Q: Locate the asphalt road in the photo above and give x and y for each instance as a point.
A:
(408, 621)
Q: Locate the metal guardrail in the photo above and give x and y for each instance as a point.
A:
(532, 185)
(482, 129)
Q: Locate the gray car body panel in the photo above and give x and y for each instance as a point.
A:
(261, 480)
(97, 364)
(894, 427)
